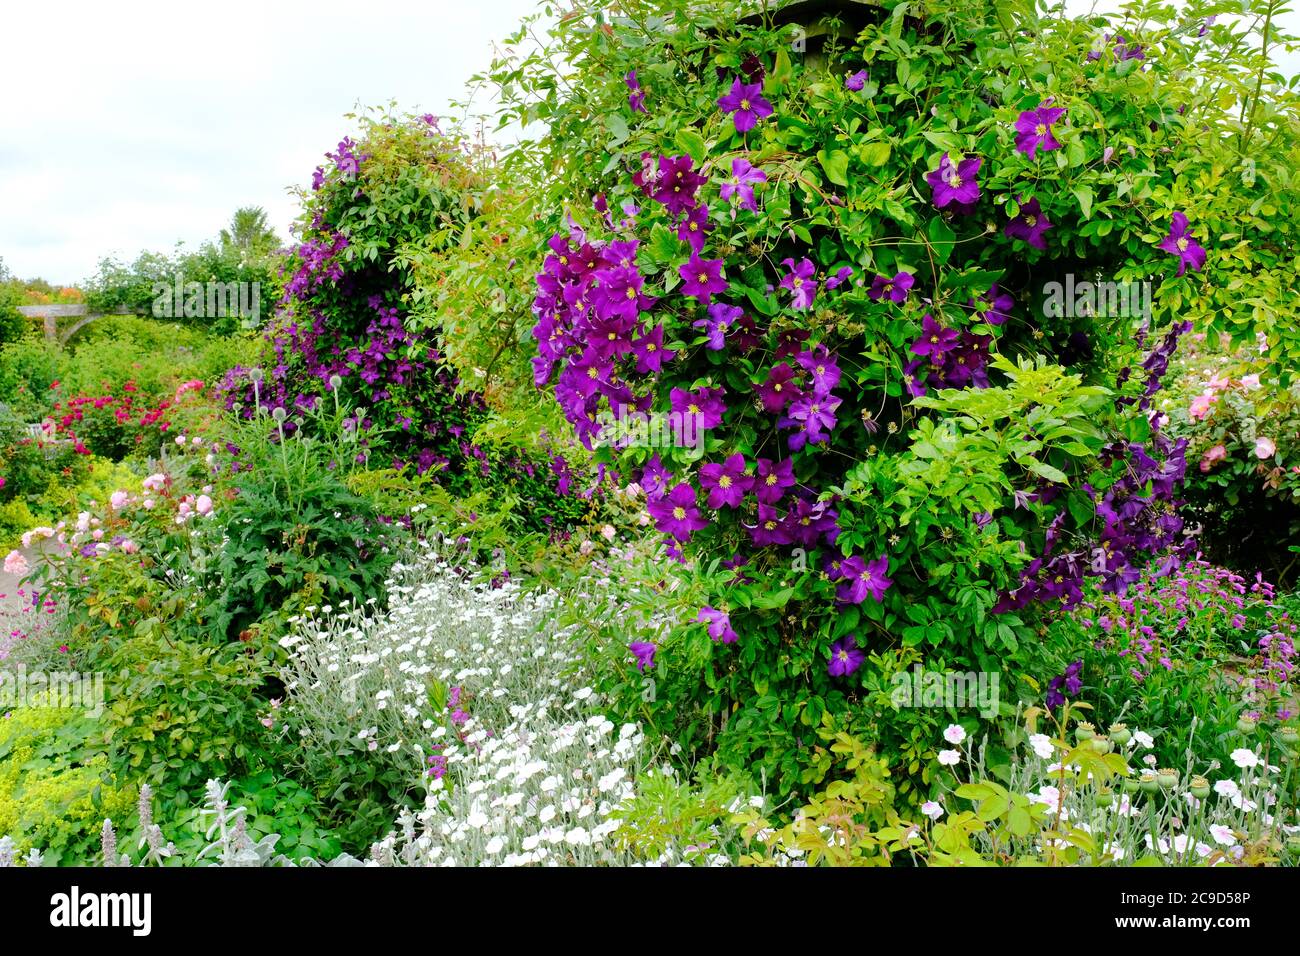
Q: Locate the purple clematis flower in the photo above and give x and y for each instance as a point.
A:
(895, 289)
(801, 282)
(726, 482)
(779, 390)
(814, 418)
(746, 103)
(677, 514)
(1180, 243)
(846, 657)
(856, 81)
(743, 179)
(994, 307)
(721, 317)
(650, 352)
(637, 98)
(862, 578)
(644, 652)
(773, 479)
(703, 406)
(955, 183)
(935, 339)
(1029, 225)
(702, 278)
(820, 363)
(719, 623)
(1035, 129)
(695, 227)
(841, 276)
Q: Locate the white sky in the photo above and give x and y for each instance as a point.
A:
(130, 126)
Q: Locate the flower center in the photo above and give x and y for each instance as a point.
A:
(1041, 129)
(744, 104)
(724, 481)
(693, 409)
(679, 512)
(1031, 221)
(771, 480)
(631, 292)
(1182, 245)
(593, 372)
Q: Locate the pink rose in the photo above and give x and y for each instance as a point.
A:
(1250, 382)
(1217, 453)
(117, 501)
(1201, 406)
(204, 505)
(1264, 448)
(16, 564)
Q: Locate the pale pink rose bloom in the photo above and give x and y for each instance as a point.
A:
(1219, 383)
(16, 564)
(1201, 406)
(130, 547)
(1250, 382)
(1264, 448)
(148, 504)
(204, 505)
(608, 532)
(1217, 453)
(117, 501)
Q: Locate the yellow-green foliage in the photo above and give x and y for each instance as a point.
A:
(52, 791)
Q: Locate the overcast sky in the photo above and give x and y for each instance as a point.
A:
(130, 126)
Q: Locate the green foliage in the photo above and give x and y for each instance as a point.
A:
(54, 787)
(182, 713)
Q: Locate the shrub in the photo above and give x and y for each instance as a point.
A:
(839, 295)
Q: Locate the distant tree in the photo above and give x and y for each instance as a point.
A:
(250, 234)
(12, 322)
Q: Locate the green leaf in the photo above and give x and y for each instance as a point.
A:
(692, 144)
(836, 164)
(1084, 195)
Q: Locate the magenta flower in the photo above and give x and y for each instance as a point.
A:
(677, 514)
(800, 282)
(856, 81)
(779, 389)
(744, 177)
(845, 657)
(719, 623)
(726, 482)
(772, 480)
(673, 182)
(862, 578)
(703, 406)
(895, 289)
(746, 103)
(644, 652)
(955, 183)
(1029, 225)
(1180, 243)
(1035, 129)
(702, 278)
